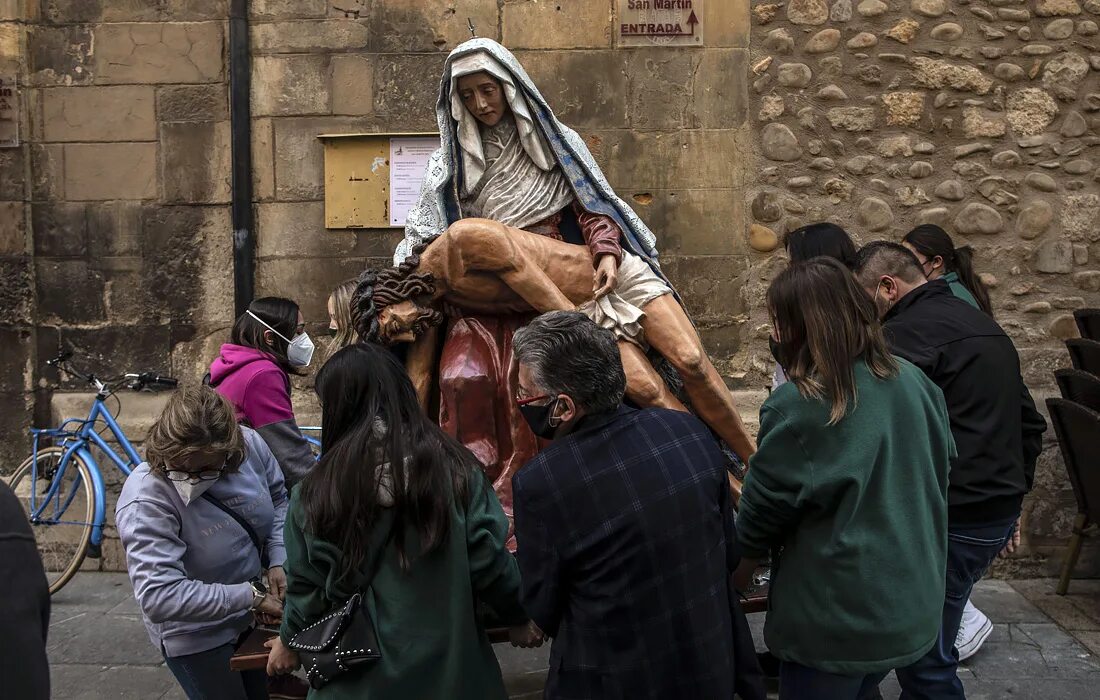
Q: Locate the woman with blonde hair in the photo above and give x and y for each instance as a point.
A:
(849, 489)
(200, 520)
(339, 317)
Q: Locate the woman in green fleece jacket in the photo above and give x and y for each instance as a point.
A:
(848, 490)
(391, 484)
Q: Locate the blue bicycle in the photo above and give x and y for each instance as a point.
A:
(61, 486)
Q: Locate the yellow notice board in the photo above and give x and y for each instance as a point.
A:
(371, 180)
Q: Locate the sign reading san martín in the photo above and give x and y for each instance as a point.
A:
(660, 22)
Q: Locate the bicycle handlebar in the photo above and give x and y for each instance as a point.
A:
(151, 379)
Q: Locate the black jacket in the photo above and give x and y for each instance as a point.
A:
(626, 542)
(996, 428)
(24, 605)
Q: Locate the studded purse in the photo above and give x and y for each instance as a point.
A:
(345, 640)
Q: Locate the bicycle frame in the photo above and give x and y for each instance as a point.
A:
(78, 442)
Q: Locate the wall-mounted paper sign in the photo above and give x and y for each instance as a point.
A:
(372, 180)
(408, 162)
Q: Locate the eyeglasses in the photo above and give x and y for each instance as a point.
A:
(531, 399)
(203, 475)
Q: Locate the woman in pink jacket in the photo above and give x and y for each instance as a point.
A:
(268, 344)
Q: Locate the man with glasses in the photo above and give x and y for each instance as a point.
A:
(625, 530)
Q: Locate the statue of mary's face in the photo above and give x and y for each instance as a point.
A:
(481, 94)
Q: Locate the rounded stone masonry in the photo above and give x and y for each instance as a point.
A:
(841, 11)
(1063, 74)
(875, 214)
(1006, 159)
(1054, 257)
(978, 218)
(1034, 219)
(762, 238)
(951, 190)
(1041, 182)
(948, 31)
(872, 8)
(824, 41)
(765, 207)
(929, 8)
(797, 75)
(920, 169)
(807, 12)
(1009, 72)
(1059, 29)
(1074, 125)
(778, 142)
(1063, 327)
(779, 41)
(863, 40)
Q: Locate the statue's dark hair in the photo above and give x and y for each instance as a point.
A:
(377, 289)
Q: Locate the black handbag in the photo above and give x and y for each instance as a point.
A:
(342, 641)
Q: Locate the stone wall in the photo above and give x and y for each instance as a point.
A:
(979, 116)
(115, 232)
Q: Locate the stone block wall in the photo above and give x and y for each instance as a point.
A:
(982, 116)
(115, 233)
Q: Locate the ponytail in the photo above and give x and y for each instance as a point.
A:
(962, 265)
(931, 241)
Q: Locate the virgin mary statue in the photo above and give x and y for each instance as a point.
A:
(505, 156)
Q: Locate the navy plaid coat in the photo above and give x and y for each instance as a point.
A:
(626, 541)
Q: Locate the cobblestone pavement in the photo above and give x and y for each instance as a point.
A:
(98, 647)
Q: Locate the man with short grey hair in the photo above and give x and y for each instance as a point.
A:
(625, 530)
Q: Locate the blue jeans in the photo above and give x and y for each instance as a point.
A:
(798, 682)
(970, 551)
(206, 676)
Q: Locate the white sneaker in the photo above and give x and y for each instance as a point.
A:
(974, 629)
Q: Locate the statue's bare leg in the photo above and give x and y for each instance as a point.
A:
(485, 246)
(669, 331)
(643, 385)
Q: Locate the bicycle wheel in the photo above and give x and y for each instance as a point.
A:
(63, 528)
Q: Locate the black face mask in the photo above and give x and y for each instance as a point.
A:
(538, 418)
(776, 347)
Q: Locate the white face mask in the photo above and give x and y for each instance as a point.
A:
(299, 349)
(189, 490)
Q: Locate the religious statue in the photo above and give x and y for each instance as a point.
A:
(514, 218)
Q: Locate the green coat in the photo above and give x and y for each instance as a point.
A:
(959, 289)
(859, 510)
(432, 644)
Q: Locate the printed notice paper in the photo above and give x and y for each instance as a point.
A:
(408, 162)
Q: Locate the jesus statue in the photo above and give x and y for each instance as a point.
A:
(515, 217)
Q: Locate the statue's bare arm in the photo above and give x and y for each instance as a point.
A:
(420, 364)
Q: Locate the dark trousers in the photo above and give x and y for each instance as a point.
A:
(798, 682)
(206, 676)
(970, 551)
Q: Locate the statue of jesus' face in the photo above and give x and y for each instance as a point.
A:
(481, 94)
(403, 322)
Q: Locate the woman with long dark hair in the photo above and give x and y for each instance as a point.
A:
(939, 258)
(811, 241)
(394, 495)
(268, 344)
(849, 486)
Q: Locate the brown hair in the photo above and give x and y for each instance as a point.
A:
(196, 419)
(378, 289)
(827, 324)
(341, 307)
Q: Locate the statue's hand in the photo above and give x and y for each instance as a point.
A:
(606, 276)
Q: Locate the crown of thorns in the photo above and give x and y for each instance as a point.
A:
(377, 289)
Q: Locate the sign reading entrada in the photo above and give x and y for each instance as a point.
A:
(660, 23)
